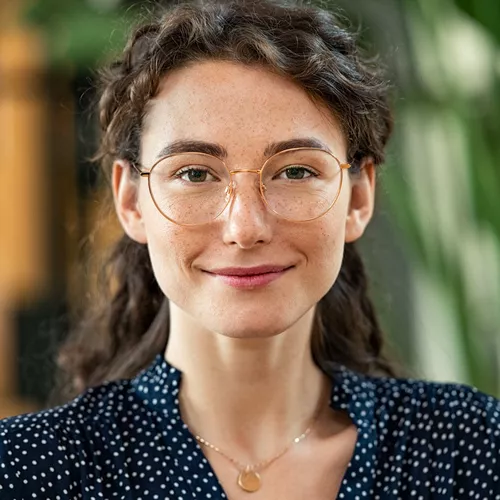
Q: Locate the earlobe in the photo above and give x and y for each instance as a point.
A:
(362, 201)
(125, 194)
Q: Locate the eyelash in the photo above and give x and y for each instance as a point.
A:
(301, 167)
(185, 170)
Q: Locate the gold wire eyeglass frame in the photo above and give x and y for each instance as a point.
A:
(231, 188)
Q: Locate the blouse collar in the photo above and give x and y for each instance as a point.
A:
(158, 387)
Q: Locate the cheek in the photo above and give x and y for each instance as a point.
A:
(327, 249)
(170, 256)
(172, 250)
(164, 245)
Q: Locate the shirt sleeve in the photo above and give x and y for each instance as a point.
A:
(437, 440)
(34, 459)
(475, 447)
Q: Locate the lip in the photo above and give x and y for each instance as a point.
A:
(249, 277)
(249, 271)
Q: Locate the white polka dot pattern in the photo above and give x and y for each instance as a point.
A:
(126, 440)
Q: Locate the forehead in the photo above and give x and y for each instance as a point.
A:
(240, 107)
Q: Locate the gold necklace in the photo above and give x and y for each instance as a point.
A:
(248, 478)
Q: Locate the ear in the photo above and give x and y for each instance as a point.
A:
(362, 201)
(126, 195)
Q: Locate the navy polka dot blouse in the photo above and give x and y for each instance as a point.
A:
(126, 440)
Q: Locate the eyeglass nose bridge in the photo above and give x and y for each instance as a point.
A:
(242, 170)
(231, 188)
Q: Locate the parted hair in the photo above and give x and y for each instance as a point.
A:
(128, 323)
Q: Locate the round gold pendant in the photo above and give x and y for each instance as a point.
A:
(249, 480)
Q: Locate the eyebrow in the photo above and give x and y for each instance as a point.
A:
(214, 149)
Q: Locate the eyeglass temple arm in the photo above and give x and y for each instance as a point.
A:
(138, 170)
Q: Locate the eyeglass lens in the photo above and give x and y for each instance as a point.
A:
(193, 188)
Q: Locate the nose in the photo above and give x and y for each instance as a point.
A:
(247, 221)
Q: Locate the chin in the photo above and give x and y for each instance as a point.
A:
(251, 332)
(252, 326)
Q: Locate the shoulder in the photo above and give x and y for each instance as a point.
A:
(394, 395)
(440, 438)
(414, 402)
(43, 451)
(446, 402)
(446, 433)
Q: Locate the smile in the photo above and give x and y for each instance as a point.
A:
(250, 280)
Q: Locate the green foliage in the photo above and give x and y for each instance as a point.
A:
(446, 191)
(81, 33)
(486, 12)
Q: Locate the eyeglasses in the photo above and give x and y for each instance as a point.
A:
(299, 184)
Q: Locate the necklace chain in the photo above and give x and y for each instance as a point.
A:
(249, 478)
(260, 465)
(265, 463)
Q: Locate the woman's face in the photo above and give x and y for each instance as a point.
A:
(243, 109)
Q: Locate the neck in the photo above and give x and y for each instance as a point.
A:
(249, 397)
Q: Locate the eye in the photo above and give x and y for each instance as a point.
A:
(296, 172)
(195, 175)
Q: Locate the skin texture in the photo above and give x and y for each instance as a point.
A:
(249, 382)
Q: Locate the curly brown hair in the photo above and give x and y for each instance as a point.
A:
(128, 326)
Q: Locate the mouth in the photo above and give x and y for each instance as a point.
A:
(250, 277)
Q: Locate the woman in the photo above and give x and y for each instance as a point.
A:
(238, 354)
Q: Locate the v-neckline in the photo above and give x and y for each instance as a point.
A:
(351, 392)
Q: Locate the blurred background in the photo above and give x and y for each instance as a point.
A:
(433, 249)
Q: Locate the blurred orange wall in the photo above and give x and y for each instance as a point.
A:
(23, 246)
